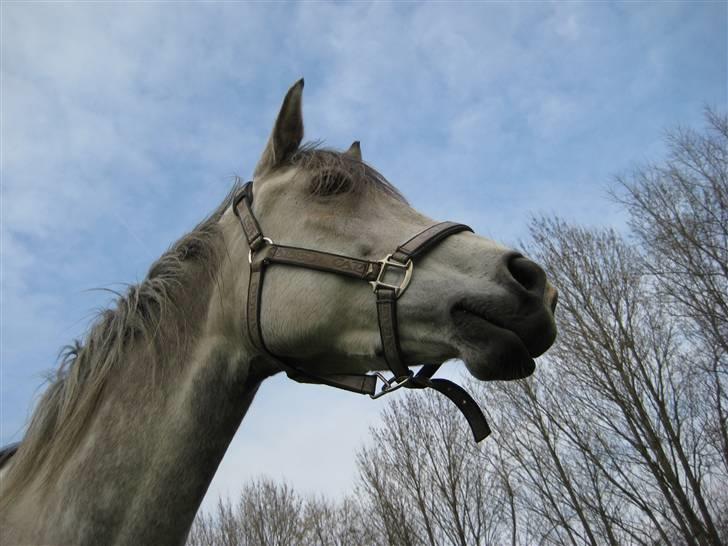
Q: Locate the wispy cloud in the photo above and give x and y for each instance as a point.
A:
(482, 113)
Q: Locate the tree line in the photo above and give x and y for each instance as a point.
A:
(620, 438)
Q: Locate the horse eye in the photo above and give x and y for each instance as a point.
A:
(331, 183)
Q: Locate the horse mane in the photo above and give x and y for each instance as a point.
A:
(134, 320)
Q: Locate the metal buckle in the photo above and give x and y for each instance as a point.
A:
(390, 384)
(388, 261)
(250, 252)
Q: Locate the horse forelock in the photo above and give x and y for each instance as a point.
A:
(324, 162)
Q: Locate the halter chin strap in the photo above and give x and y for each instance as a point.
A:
(264, 252)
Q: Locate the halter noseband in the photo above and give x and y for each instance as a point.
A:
(264, 252)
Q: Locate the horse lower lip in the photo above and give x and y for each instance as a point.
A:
(478, 325)
(491, 351)
(535, 331)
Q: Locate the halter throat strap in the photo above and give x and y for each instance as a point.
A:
(264, 253)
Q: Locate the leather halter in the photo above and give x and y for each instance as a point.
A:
(264, 252)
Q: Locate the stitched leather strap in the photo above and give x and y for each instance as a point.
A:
(389, 332)
(324, 261)
(387, 300)
(255, 289)
(425, 240)
(387, 295)
(241, 207)
(360, 383)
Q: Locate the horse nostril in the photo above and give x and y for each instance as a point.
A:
(529, 275)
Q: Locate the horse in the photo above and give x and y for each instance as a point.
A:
(123, 444)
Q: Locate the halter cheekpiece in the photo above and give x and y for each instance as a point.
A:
(399, 264)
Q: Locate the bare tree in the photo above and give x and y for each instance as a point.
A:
(273, 514)
(679, 214)
(620, 438)
(614, 449)
(426, 481)
(626, 438)
(341, 523)
(266, 513)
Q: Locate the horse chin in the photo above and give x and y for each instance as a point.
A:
(489, 351)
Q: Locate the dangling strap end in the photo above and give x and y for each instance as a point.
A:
(466, 404)
(482, 433)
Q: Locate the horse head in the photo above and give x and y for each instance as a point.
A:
(468, 297)
(356, 281)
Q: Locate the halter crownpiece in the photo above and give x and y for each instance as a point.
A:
(264, 252)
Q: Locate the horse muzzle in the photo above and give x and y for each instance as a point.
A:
(499, 338)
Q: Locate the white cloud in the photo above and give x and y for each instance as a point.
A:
(121, 122)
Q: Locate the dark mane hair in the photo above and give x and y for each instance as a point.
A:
(66, 406)
(70, 399)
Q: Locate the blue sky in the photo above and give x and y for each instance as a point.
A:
(122, 125)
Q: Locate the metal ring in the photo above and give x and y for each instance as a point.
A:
(399, 289)
(390, 384)
(250, 252)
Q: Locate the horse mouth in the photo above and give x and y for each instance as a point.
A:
(491, 350)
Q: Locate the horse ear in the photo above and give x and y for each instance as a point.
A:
(354, 150)
(287, 132)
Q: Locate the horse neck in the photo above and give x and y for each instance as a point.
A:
(160, 430)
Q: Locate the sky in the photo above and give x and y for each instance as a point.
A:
(122, 125)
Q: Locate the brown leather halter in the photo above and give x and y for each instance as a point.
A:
(264, 252)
